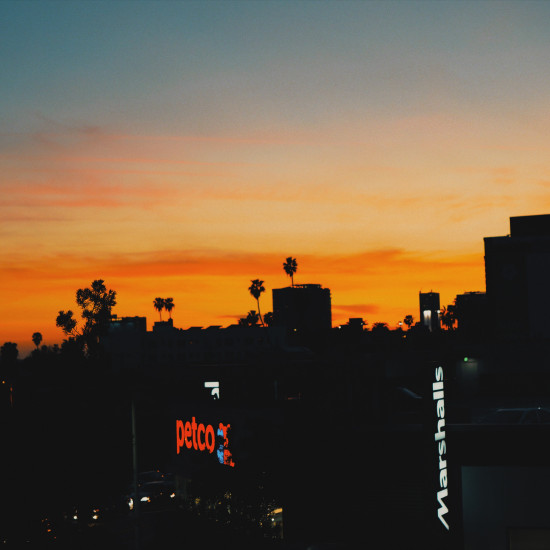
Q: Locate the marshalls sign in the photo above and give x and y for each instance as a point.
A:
(442, 495)
(438, 389)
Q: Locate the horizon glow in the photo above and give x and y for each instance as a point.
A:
(185, 148)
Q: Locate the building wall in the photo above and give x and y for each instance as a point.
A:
(303, 308)
(517, 271)
(499, 501)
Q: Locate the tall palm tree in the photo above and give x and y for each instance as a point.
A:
(169, 306)
(37, 339)
(290, 266)
(256, 289)
(158, 304)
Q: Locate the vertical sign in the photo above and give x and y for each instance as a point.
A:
(443, 494)
(440, 441)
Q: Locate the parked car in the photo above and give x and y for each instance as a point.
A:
(517, 415)
(154, 494)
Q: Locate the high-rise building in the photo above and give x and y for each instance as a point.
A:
(429, 310)
(517, 278)
(302, 308)
(471, 313)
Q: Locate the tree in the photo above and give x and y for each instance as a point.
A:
(37, 339)
(251, 320)
(268, 318)
(256, 289)
(290, 266)
(9, 354)
(96, 303)
(169, 306)
(380, 327)
(159, 304)
(408, 320)
(448, 316)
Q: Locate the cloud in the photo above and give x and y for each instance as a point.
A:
(91, 192)
(356, 309)
(224, 263)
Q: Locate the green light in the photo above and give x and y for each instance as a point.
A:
(465, 359)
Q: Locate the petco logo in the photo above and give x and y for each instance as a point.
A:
(201, 437)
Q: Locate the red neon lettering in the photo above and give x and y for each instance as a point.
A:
(188, 442)
(194, 426)
(202, 437)
(202, 445)
(210, 444)
(179, 435)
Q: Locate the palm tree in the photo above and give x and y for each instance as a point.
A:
(37, 339)
(169, 306)
(158, 304)
(290, 266)
(256, 289)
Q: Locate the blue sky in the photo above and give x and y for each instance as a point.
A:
(377, 142)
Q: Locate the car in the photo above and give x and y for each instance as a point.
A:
(516, 415)
(153, 494)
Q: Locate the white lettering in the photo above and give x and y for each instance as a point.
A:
(439, 436)
(440, 430)
(443, 478)
(442, 509)
(440, 408)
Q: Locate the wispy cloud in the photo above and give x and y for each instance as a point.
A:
(169, 263)
(356, 309)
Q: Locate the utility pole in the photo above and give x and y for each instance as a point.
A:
(136, 487)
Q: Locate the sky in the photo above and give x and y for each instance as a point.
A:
(184, 148)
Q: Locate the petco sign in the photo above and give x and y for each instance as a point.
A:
(201, 437)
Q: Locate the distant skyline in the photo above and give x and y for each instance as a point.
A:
(184, 148)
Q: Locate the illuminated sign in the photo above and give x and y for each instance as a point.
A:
(215, 389)
(201, 437)
(439, 436)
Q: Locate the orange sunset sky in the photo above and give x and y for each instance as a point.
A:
(184, 148)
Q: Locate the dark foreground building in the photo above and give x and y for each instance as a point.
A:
(302, 308)
(517, 271)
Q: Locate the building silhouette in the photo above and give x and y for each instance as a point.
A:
(429, 310)
(302, 308)
(471, 313)
(517, 275)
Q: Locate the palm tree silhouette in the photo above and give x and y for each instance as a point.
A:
(408, 320)
(268, 318)
(159, 304)
(290, 266)
(169, 306)
(256, 289)
(36, 339)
